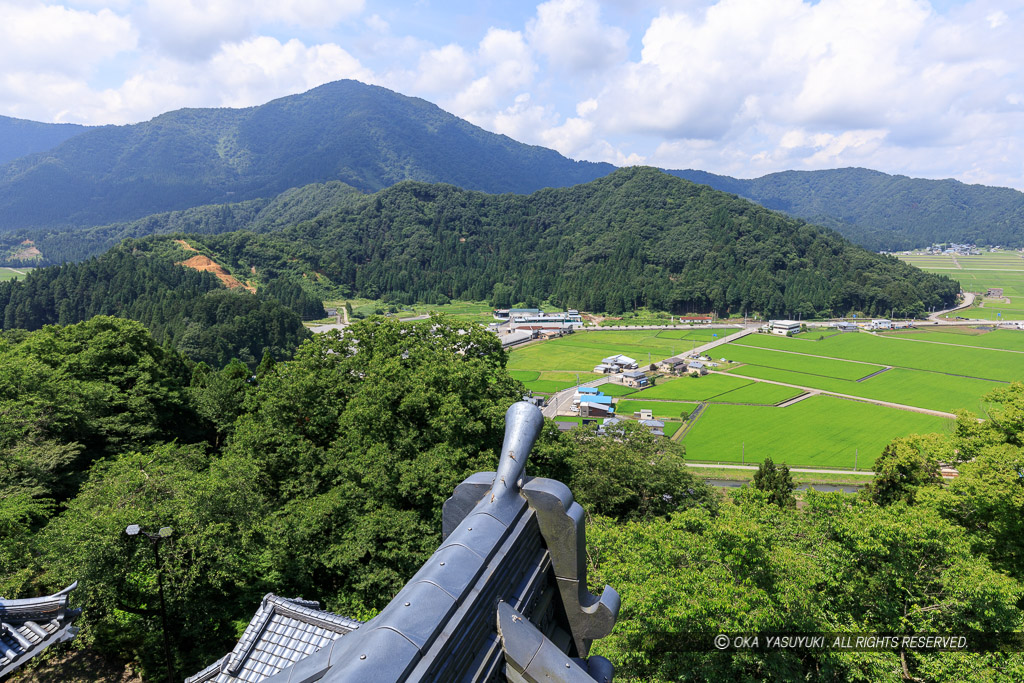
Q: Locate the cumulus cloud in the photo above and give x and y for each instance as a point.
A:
(853, 78)
(196, 29)
(570, 34)
(443, 70)
(507, 67)
(52, 39)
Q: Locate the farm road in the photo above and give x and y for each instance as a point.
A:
(724, 340)
(866, 473)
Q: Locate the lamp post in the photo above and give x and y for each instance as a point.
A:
(154, 539)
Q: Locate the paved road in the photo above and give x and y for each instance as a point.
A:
(563, 399)
(867, 473)
(968, 302)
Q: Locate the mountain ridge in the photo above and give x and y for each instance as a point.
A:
(881, 211)
(362, 135)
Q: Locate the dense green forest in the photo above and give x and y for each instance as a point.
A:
(183, 308)
(323, 477)
(885, 212)
(260, 215)
(638, 237)
(362, 135)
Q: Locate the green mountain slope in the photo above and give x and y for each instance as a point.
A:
(144, 280)
(880, 211)
(365, 136)
(19, 137)
(637, 237)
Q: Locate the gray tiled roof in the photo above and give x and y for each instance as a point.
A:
(29, 626)
(282, 631)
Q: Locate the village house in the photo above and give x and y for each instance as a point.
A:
(635, 378)
(785, 328)
(696, 368)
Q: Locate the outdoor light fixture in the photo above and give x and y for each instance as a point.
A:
(164, 534)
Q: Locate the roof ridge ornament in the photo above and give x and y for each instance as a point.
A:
(523, 422)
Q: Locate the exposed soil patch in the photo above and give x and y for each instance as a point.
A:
(205, 263)
(27, 254)
(185, 245)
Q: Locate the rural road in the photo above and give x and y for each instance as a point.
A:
(968, 302)
(867, 473)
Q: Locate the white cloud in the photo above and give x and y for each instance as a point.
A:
(443, 70)
(196, 29)
(38, 38)
(570, 34)
(507, 58)
(263, 68)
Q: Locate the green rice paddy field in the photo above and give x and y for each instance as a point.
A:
(941, 369)
(985, 363)
(979, 273)
(13, 273)
(818, 432)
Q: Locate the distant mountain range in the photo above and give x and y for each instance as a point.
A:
(881, 211)
(56, 177)
(19, 137)
(365, 136)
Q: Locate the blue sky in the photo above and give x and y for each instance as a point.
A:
(740, 87)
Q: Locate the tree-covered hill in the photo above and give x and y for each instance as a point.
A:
(19, 137)
(183, 308)
(362, 135)
(637, 237)
(289, 207)
(881, 211)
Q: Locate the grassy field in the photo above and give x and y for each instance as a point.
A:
(13, 273)
(475, 311)
(610, 389)
(693, 388)
(580, 352)
(549, 382)
(819, 432)
(979, 273)
(1009, 340)
(824, 367)
(758, 392)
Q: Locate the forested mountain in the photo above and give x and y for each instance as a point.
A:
(289, 207)
(19, 137)
(638, 237)
(183, 308)
(880, 211)
(365, 136)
